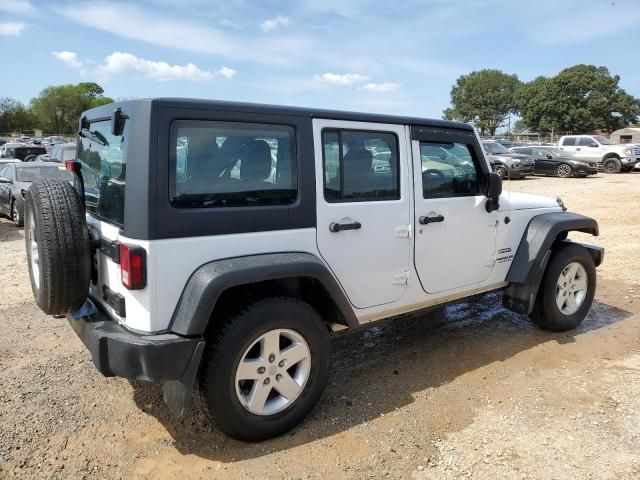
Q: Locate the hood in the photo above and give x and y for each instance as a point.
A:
(519, 156)
(525, 201)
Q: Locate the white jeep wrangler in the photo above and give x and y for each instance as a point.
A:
(215, 246)
(611, 157)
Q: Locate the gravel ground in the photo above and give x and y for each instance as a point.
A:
(469, 391)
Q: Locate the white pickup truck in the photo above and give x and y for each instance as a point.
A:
(611, 157)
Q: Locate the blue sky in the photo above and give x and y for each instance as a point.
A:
(380, 56)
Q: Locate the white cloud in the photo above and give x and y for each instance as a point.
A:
(227, 72)
(119, 63)
(70, 59)
(380, 87)
(341, 79)
(13, 29)
(134, 22)
(275, 23)
(21, 7)
(225, 22)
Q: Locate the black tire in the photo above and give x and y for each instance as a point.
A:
(502, 171)
(30, 158)
(55, 220)
(546, 313)
(18, 219)
(563, 170)
(216, 389)
(612, 165)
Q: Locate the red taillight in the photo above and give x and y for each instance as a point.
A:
(72, 165)
(132, 266)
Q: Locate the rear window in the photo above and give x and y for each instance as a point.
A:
(24, 152)
(103, 160)
(31, 174)
(231, 164)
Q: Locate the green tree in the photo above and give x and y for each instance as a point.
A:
(486, 98)
(14, 116)
(581, 98)
(58, 108)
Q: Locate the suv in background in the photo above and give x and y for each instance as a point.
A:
(506, 163)
(611, 157)
(215, 246)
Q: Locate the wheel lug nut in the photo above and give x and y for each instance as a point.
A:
(278, 377)
(272, 358)
(266, 381)
(281, 364)
(261, 370)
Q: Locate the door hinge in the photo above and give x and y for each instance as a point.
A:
(403, 231)
(402, 279)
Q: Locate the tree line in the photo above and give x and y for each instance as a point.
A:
(580, 99)
(56, 110)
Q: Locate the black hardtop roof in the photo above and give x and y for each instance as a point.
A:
(221, 105)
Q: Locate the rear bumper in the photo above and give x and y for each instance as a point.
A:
(119, 352)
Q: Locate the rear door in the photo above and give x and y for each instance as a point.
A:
(569, 144)
(364, 208)
(455, 237)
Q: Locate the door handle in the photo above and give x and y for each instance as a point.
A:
(427, 220)
(338, 227)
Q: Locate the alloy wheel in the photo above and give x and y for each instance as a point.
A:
(571, 288)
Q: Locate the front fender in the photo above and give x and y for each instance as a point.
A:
(209, 281)
(534, 252)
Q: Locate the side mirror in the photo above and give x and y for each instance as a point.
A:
(494, 189)
(593, 145)
(5, 180)
(549, 156)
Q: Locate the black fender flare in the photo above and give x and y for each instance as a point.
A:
(210, 280)
(534, 251)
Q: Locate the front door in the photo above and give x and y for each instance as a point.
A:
(455, 237)
(364, 208)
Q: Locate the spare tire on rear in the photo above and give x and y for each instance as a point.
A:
(58, 249)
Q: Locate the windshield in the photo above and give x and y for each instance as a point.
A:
(495, 148)
(103, 160)
(31, 174)
(603, 140)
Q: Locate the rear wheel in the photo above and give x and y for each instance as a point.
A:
(265, 370)
(567, 289)
(563, 170)
(612, 165)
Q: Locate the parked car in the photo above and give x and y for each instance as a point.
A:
(553, 161)
(507, 163)
(8, 145)
(611, 157)
(15, 179)
(24, 153)
(180, 273)
(62, 152)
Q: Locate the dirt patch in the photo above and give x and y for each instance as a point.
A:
(471, 390)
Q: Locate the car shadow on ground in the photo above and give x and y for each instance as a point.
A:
(379, 369)
(8, 231)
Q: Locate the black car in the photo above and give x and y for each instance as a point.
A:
(25, 153)
(15, 179)
(553, 161)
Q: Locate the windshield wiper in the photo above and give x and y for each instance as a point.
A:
(94, 136)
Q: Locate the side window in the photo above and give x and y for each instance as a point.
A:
(526, 151)
(539, 153)
(585, 141)
(448, 170)
(3, 171)
(569, 142)
(360, 166)
(229, 164)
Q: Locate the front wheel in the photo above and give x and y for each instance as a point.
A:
(502, 171)
(612, 165)
(15, 215)
(265, 370)
(567, 289)
(563, 170)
